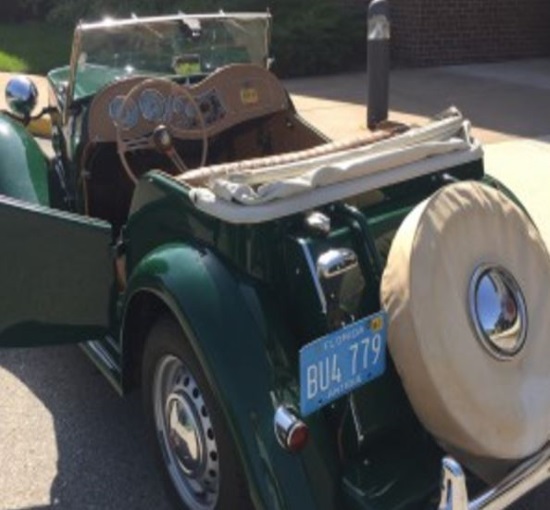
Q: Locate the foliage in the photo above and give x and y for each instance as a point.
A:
(72, 10)
(324, 38)
(24, 10)
(12, 63)
(34, 47)
(309, 36)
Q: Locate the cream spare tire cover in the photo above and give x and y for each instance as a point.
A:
(465, 244)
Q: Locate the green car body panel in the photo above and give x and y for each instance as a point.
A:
(243, 295)
(55, 308)
(23, 169)
(237, 342)
(231, 323)
(230, 303)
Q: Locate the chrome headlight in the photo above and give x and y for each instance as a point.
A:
(21, 96)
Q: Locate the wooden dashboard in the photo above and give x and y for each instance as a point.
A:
(229, 96)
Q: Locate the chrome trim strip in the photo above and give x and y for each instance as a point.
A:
(313, 271)
(454, 495)
(113, 344)
(528, 475)
(356, 419)
(97, 349)
(73, 64)
(136, 20)
(502, 337)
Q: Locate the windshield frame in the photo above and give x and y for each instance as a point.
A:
(109, 23)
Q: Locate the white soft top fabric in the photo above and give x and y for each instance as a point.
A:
(260, 195)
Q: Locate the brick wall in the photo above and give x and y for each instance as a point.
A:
(439, 32)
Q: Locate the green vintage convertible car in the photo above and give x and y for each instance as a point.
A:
(312, 324)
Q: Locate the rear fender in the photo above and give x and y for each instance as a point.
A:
(23, 167)
(239, 349)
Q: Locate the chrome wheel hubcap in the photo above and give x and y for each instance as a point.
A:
(185, 434)
(498, 311)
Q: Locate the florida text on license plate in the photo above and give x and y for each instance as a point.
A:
(336, 364)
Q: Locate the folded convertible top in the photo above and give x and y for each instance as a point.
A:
(253, 192)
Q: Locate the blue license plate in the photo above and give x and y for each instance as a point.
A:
(336, 364)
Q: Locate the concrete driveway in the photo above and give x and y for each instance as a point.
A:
(68, 442)
(504, 101)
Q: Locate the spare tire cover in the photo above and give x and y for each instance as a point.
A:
(470, 395)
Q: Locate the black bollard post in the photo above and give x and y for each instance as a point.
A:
(378, 62)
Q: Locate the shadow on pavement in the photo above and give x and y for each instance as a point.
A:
(104, 460)
(492, 96)
(507, 97)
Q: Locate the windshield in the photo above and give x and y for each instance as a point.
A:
(177, 46)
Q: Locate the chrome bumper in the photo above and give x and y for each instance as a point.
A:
(527, 476)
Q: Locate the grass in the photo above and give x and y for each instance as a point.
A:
(12, 63)
(34, 47)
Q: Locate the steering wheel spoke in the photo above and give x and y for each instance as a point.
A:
(177, 160)
(136, 144)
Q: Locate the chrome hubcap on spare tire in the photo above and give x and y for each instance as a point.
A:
(497, 311)
(185, 434)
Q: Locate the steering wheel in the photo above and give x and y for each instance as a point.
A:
(153, 113)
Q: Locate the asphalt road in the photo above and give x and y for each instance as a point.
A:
(67, 440)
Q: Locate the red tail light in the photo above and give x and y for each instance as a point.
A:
(291, 432)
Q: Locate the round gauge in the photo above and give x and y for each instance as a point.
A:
(184, 113)
(115, 106)
(151, 104)
(124, 115)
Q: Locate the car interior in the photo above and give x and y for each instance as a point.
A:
(239, 112)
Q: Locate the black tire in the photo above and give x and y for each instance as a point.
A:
(165, 343)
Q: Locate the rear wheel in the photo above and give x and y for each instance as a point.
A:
(190, 435)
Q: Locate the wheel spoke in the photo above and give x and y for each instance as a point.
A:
(186, 434)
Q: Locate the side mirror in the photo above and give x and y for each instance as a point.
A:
(21, 96)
